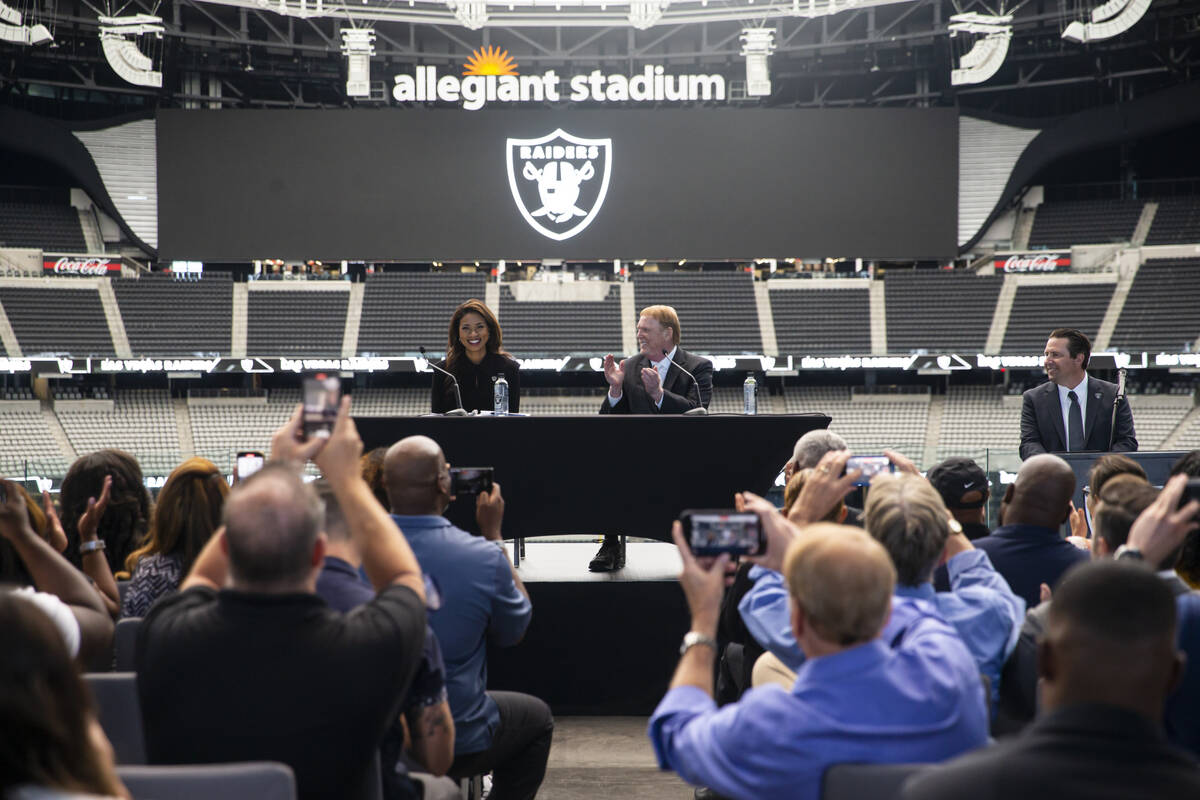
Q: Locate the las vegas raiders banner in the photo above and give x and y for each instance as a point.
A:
(423, 185)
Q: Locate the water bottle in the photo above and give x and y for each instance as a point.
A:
(500, 396)
(750, 389)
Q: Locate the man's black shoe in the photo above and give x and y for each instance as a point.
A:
(609, 558)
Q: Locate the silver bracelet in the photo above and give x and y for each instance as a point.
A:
(91, 547)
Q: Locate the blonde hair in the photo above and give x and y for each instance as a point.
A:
(666, 317)
(842, 580)
(907, 515)
(791, 493)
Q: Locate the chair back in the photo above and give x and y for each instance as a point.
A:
(120, 713)
(858, 781)
(252, 780)
(124, 642)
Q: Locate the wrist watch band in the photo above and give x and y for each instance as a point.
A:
(91, 547)
(1128, 553)
(692, 639)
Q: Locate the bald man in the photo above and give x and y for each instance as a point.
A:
(912, 695)
(1028, 548)
(481, 599)
(1107, 663)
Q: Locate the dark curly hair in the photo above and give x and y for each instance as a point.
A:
(127, 518)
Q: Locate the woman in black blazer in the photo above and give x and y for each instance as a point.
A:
(475, 355)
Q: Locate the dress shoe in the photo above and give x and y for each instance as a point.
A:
(609, 558)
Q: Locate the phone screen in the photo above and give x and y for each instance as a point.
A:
(322, 396)
(713, 532)
(470, 480)
(870, 466)
(248, 463)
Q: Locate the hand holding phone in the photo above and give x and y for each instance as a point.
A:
(870, 466)
(322, 397)
(470, 480)
(710, 532)
(248, 463)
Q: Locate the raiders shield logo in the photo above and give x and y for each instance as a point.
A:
(559, 181)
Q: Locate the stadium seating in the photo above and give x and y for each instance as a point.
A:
(57, 320)
(296, 322)
(53, 228)
(976, 419)
(822, 321)
(1177, 221)
(404, 311)
(390, 402)
(142, 422)
(1062, 224)
(1162, 310)
(868, 425)
(1079, 306)
(538, 328)
(27, 446)
(167, 317)
(717, 310)
(941, 311)
(221, 431)
(1155, 417)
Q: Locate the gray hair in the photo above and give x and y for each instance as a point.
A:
(813, 445)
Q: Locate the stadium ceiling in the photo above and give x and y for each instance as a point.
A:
(245, 53)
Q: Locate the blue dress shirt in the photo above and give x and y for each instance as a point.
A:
(981, 608)
(917, 701)
(479, 601)
(1030, 555)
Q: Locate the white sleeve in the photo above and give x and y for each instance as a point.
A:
(59, 612)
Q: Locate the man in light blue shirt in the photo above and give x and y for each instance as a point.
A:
(907, 515)
(482, 598)
(858, 697)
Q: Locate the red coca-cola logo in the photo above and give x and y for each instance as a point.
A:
(1038, 262)
(81, 266)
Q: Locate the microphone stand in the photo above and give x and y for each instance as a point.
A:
(454, 412)
(699, 410)
(1120, 398)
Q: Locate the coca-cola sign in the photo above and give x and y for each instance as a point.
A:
(1033, 262)
(85, 266)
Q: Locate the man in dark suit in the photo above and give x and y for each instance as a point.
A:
(652, 382)
(1107, 663)
(1073, 411)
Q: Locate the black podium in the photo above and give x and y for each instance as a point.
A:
(627, 475)
(1157, 464)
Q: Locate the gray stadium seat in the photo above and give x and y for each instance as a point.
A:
(120, 713)
(252, 780)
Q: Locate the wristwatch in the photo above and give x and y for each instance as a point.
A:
(91, 547)
(692, 638)
(1130, 553)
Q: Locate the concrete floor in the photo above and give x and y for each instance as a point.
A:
(604, 757)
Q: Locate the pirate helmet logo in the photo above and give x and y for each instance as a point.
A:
(559, 181)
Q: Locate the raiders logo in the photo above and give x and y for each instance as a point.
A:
(559, 181)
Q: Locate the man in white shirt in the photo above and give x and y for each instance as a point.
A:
(1073, 411)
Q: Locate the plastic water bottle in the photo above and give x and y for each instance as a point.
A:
(500, 396)
(750, 389)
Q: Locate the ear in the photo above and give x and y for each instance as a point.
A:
(1008, 492)
(789, 469)
(320, 547)
(1100, 547)
(798, 621)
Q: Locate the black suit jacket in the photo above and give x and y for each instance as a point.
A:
(1042, 422)
(679, 392)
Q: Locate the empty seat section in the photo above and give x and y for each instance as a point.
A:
(168, 317)
(1177, 221)
(50, 227)
(1039, 309)
(405, 311)
(1062, 224)
(1162, 311)
(867, 424)
(57, 320)
(822, 321)
(142, 422)
(939, 311)
(717, 310)
(554, 328)
(220, 431)
(27, 446)
(296, 322)
(976, 419)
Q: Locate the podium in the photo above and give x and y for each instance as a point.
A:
(1157, 464)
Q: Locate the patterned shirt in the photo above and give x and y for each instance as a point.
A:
(153, 576)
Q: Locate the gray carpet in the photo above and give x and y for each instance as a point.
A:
(599, 757)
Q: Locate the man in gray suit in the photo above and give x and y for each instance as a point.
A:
(1073, 411)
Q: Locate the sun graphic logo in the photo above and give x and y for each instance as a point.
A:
(490, 61)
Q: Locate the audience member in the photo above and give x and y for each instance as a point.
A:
(963, 486)
(1188, 566)
(263, 669)
(372, 472)
(62, 592)
(425, 713)
(187, 513)
(482, 599)
(1027, 548)
(51, 745)
(1105, 468)
(810, 448)
(126, 516)
(859, 697)
(1106, 665)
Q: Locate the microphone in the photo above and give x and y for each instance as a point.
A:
(1120, 398)
(699, 410)
(455, 412)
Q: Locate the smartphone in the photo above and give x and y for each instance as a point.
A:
(870, 466)
(710, 532)
(1190, 492)
(248, 463)
(470, 480)
(322, 396)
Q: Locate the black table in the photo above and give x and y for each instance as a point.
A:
(614, 474)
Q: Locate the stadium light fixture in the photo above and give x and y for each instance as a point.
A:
(985, 58)
(1109, 20)
(12, 29)
(473, 14)
(122, 54)
(358, 45)
(646, 13)
(757, 46)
